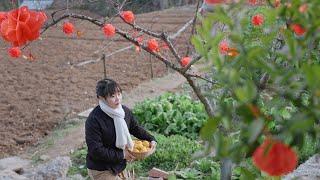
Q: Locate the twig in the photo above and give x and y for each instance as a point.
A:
(181, 30)
(108, 55)
(157, 35)
(193, 25)
(193, 61)
(165, 37)
(263, 81)
(200, 77)
(202, 98)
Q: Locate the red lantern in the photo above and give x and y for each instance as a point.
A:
(257, 20)
(252, 2)
(303, 8)
(128, 16)
(109, 30)
(298, 29)
(185, 61)
(3, 16)
(21, 25)
(277, 3)
(224, 47)
(153, 45)
(68, 28)
(14, 52)
(233, 52)
(275, 158)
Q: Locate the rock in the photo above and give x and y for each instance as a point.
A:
(310, 170)
(10, 175)
(54, 169)
(44, 157)
(75, 177)
(13, 163)
(158, 173)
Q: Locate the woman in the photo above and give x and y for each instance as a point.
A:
(108, 130)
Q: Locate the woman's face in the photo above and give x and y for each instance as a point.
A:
(114, 100)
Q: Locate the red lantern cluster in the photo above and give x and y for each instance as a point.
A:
(109, 30)
(252, 2)
(303, 8)
(128, 16)
(68, 28)
(298, 29)
(3, 16)
(275, 158)
(223, 47)
(153, 45)
(14, 52)
(257, 20)
(185, 61)
(21, 25)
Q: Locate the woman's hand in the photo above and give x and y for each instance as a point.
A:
(153, 145)
(128, 156)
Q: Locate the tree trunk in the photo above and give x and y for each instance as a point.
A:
(226, 169)
(164, 4)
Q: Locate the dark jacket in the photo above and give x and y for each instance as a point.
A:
(101, 140)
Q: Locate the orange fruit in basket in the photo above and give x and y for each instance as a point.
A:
(141, 149)
(145, 143)
(135, 151)
(144, 149)
(141, 146)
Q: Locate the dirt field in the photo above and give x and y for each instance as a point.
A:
(36, 96)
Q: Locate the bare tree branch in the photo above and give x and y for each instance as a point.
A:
(173, 36)
(202, 98)
(165, 37)
(193, 25)
(193, 61)
(200, 77)
(263, 81)
(157, 35)
(181, 30)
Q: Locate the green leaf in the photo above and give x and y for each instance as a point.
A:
(220, 16)
(312, 74)
(172, 177)
(289, 38)
(300, 124)
(255, 129)
(246, 174)
(209, 128)
(247, 92)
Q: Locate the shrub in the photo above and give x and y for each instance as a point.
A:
(173, 152)
(78, 159)
(171, 114)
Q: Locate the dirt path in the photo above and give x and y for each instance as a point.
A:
(67, 139)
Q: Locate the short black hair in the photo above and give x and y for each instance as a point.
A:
(107, 87)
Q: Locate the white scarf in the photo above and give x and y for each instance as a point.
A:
(123, 138)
